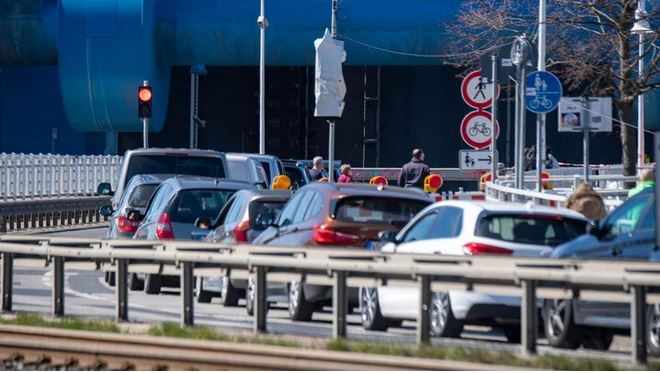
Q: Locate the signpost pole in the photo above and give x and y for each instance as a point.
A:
(540, 118)
(516, 132)
(331, 122)
(493, 113)
(261, 21)
(585, 139)
(656, 138)
(523, 123)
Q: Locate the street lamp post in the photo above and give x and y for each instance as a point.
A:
(640, 28)
(263, 23)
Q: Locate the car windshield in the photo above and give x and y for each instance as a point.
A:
(141, 195)
(175, 164)
(378, 210)
(197, 203)
(264, 213)
(546, 230)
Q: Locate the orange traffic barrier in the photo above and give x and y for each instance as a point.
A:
(281, 182)
(378, 180)
(432, 183)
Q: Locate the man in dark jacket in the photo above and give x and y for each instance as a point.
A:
(414, 172)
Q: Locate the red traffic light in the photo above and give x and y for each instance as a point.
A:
(144, 93)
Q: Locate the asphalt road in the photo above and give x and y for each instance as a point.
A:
(86, 294)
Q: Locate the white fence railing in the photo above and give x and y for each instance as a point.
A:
(52, 175)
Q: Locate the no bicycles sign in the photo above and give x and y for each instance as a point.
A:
(476, 129)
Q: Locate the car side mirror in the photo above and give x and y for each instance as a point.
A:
(104, 189)
(106, 210)
(203, 223)
(388, 236)
(134, 215)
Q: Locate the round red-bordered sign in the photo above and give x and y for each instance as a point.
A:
(476, 93)
(476, 129)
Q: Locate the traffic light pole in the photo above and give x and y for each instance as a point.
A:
(145, 132)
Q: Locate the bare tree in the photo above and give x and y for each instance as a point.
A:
(589, 46)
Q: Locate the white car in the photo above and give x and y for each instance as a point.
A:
(468, 228)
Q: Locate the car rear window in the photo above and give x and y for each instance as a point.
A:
(378, 210)
(175, 164)
(141, 195)
(264, 213)
(546, 230)
(198, 203)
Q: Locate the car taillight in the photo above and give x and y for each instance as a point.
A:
(323, 235)
(475, 248)
(164, 229)
(125, 225)
(241, 231)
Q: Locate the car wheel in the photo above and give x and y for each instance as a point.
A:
(229, 295)
(202, 295)
(134, 282)
(653, 325)
(512, 333)
(599, 339)
(299, 308)
(560, 329)
(152, 284)
(443, 322)
(372, 319)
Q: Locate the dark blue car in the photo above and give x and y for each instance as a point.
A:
(628, 233)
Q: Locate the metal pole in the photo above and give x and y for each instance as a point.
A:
(522, 129)
(516, 133)
(529, 317)
(260, 300)
(58, 286)
(262, 22)
(585, 139)
(640, 106)
(7, 281)
(192, 109)
(340, 305)
(331, 151)
(493, 113)
(333, 20)
(121, 283)
(540, 118)
(187, 286)
(638, 324)
(656, 137)
(145, 124)
(424, 315)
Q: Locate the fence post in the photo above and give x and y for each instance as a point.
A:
(58, 286)
(187, 314)
(340, 305)
(529, 319)
(121, 283)
(424, 316)
(638, 324)
(7, 281)
(260, 303)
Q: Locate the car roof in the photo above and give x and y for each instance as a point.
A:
(272, 194)
(510, 207)
(149, 179)
(200, 182)
(370, 189)
(175, 151)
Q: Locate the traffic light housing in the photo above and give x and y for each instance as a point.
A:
(145, 98)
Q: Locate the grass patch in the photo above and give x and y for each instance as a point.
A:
(475, 355)
(204, 333)
(74, 323)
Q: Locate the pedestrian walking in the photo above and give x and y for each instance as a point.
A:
(646, 180)
(414, 172)
(317, 172)
(587, 202)
(345, 174)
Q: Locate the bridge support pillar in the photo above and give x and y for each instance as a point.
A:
(340, 305)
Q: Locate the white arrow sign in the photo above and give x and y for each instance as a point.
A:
(474, 160)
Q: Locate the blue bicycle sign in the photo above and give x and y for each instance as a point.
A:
(542, 92)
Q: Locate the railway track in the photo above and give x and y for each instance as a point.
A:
(43, 347)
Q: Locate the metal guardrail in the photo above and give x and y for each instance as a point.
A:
(50, 212)
(52, 175)
(392, 173)
(530, 278)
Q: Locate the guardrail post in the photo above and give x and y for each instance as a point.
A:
(638, 323)
(121, 283)
(58, 286)
(187, 314)
(7, 281)
(529, 317)
(340, 305)
(424, 316)
(260, 302)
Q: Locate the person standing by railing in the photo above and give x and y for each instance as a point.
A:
(345, 175)
(414, 172)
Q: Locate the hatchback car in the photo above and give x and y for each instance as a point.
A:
(174, 207)
(136, 195)
(468, 228)
(627, 233)
(322, 214)
(244, 217)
